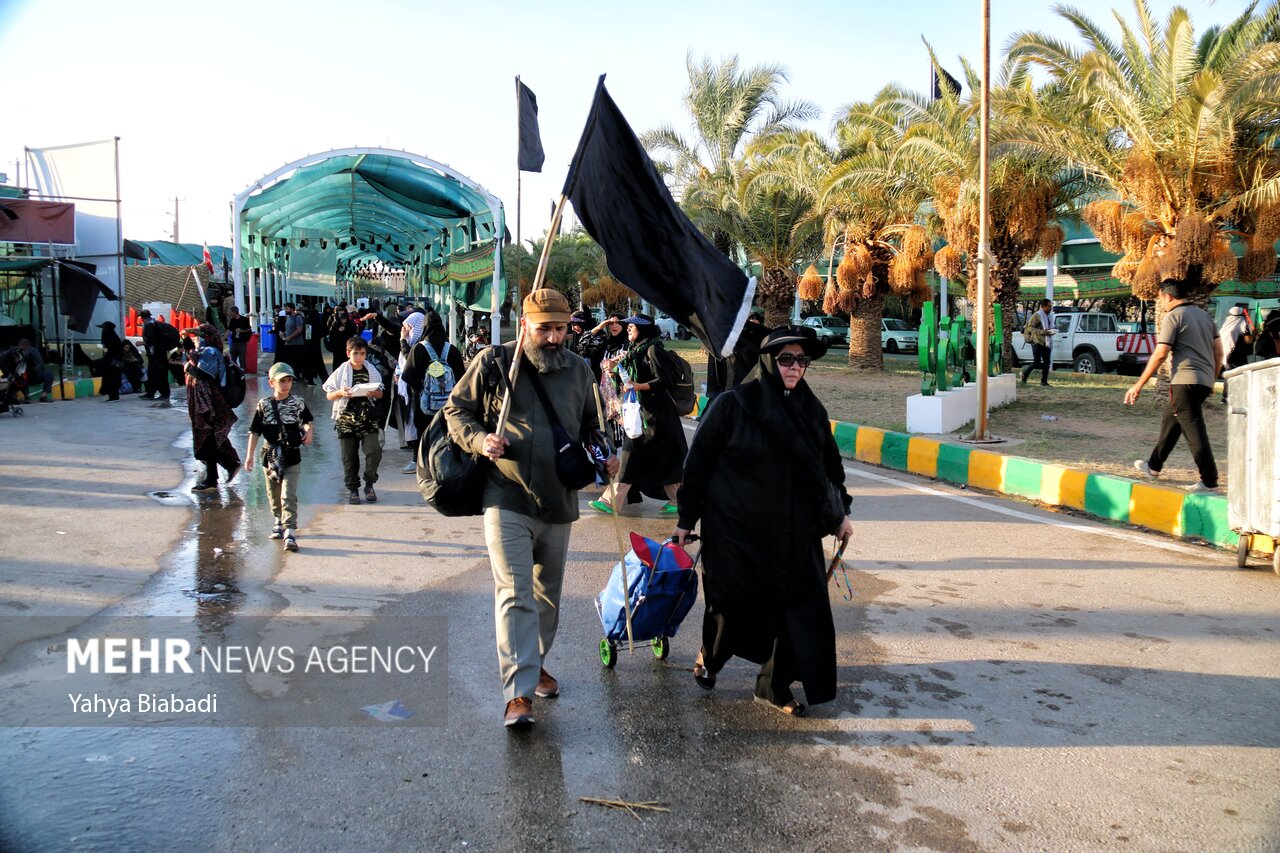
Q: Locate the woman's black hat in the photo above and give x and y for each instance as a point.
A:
(804, 336)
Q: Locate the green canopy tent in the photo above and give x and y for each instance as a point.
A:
(323, 224)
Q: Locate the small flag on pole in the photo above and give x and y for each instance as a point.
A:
(531, 155)
(947, 80)
(650, 245)
(208, 258)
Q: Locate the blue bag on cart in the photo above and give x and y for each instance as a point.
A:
(662, 587)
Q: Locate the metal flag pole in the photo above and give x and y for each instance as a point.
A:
(515, 301)
(981, 327)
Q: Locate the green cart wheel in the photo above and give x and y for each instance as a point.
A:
(608, 653)
(660, 648)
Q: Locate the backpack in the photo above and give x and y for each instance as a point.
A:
(436, 386)
(450, 479)
(170, 337)
(234, 389)
(678, 376)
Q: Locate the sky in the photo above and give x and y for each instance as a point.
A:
(209, 97)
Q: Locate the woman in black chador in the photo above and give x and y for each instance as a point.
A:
(652, 462)
(765, 479)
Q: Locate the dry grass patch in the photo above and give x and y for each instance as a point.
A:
(1094, 430)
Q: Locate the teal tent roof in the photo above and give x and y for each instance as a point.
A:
(173, 254)
(374, 204)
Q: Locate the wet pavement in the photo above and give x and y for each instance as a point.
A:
(1009, 679)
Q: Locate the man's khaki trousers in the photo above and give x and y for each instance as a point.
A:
(527, 556)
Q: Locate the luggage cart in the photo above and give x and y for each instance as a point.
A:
(662, 586)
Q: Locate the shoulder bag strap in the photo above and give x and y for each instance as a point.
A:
(279, 421)
(541, 392)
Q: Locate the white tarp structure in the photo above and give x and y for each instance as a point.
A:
(88, 175)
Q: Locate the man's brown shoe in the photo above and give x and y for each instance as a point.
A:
(547, 686)
(519, 713)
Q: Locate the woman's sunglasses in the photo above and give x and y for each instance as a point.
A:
(789, 360)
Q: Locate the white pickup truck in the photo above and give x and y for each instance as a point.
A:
(1084, 340)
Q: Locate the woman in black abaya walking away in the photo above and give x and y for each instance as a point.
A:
(765, 479)
(112, 361)
(211, 417)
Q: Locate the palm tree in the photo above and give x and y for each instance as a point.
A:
(1183, 132)
(575, 262)
(1028, 189)
(727, 106)
(869, 207)
(772, 216)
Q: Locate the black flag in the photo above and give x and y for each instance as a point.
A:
(650, 245)
(531, 156)
(951, 83)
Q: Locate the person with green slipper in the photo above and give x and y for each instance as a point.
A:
(765, 480)
(651, 462)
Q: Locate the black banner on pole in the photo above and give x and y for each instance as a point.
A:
(650, 245)
(531, 155)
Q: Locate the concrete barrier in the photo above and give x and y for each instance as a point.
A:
(948, 411)
(1184, 515)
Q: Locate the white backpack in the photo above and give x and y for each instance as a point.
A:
(438, 381)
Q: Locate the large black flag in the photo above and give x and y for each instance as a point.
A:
(650, 245)
(531, 155)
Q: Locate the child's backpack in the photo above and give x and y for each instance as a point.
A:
(437, 382)
(234, 389)
(678, 376)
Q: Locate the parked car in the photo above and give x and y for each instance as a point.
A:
(1087, 341)
(897, 336)
(669, 328)
(833, 330)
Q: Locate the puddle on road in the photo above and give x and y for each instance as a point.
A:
(217, 576)
(219, 570)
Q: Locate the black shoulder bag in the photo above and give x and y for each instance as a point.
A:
(450, 478)
(575, 465)
(273, 458)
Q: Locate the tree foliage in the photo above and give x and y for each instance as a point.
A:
(1182, 130)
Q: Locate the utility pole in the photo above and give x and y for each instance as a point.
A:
(175, 219)
(981, 326)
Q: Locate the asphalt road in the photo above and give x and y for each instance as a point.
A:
(1010, 678)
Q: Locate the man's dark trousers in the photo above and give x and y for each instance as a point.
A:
(158, 376)
(1183, 415)
(295, 355)
(1042, 357)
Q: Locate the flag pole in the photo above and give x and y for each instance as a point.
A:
(981, 344)
(617, 523)
(537, 283)
(515, 302)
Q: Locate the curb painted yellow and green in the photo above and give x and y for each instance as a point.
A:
(75, 389)
(1181, 514)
